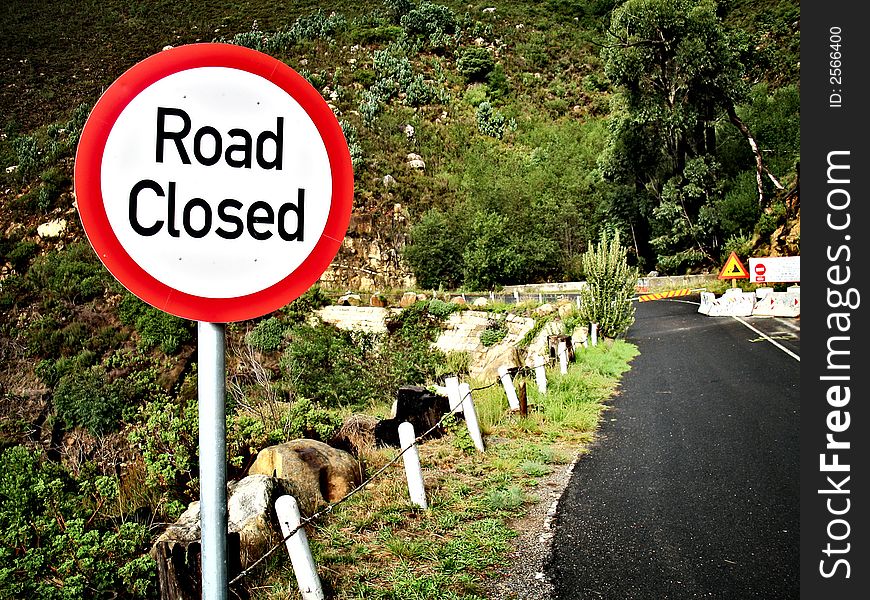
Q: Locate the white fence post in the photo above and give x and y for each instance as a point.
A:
(287, 510)
(517, 296)
(471, 416)
(412, 465)
(562, 351)
(507, 382)
(540, 374)
(594, 334)
(454, 399)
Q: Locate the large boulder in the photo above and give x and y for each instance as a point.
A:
(250, 520)
(319, 473)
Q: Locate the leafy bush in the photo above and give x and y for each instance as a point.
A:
(267, 335)
(492, 122)
(90, 399)
(304, 306)
(428, 19)
(316, 26)
(741, 245)
(155, 327)
(610, 284)
(494, 332)
(769, 221)
(331, 366)
(440, 309)
(475, 64)
(309, 420)
(18, 253)
(334, 367)
(353, 144)
(435, 251)
(167, 434)
(56, 541)
(73, 274)
(476, 94)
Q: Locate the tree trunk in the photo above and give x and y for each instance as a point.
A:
(179, 569)
(760, 169)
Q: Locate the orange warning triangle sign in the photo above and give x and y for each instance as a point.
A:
(733, 269)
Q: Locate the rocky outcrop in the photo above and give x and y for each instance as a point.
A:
(250, 516)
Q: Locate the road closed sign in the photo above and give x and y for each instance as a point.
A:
(776, 269)
(214, 182)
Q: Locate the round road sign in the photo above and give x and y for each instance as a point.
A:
(760, 269)
(214, 182)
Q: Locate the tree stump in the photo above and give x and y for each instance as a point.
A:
(179, 569)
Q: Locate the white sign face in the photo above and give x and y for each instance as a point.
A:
(216, 182)
(775, 269)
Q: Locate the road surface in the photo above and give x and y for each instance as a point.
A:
(691, 490)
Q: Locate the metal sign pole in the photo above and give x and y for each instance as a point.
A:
(211, 391)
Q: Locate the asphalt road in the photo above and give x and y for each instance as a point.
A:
(691, 490)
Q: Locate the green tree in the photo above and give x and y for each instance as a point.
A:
(435, 251)
(610, 284)
(678, 71)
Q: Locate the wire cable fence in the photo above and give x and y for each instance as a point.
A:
(332, 506)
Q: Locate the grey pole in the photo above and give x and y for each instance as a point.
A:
(211, 390)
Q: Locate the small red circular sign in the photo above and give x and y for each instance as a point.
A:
(760, 269)
(214, 182)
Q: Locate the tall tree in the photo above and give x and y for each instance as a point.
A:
(677, 71)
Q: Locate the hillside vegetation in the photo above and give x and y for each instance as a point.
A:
(492, 143)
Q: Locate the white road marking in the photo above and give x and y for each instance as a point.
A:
(761, 333)
(769, 339)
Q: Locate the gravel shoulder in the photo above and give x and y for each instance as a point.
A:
(522, 576)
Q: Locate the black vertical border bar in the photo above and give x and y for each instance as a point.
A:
(831, 126)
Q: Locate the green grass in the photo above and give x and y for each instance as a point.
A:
(378, 545)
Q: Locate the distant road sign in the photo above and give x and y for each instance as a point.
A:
(733, 269)
(776, 269)
(214, 182)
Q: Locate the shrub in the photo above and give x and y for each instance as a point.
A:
(155, 327)
(428, 19)
(167, 433)
(21, 254)
(492, 122)
(495, 331)
(310, 420)
(304, 306)
(435, 251)
(353, 144)
(73, 274)
(610, 284)
(475, 64)
(440, 309)
(56, 541)
(267, 335)
(88, 399)
(476, 94)
(331, 366)
(334, 367)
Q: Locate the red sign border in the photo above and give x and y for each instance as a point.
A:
(733, 258)
(88, 187)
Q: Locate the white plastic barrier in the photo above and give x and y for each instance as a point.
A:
(733, 303)
(778, 304)
(707, 301)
